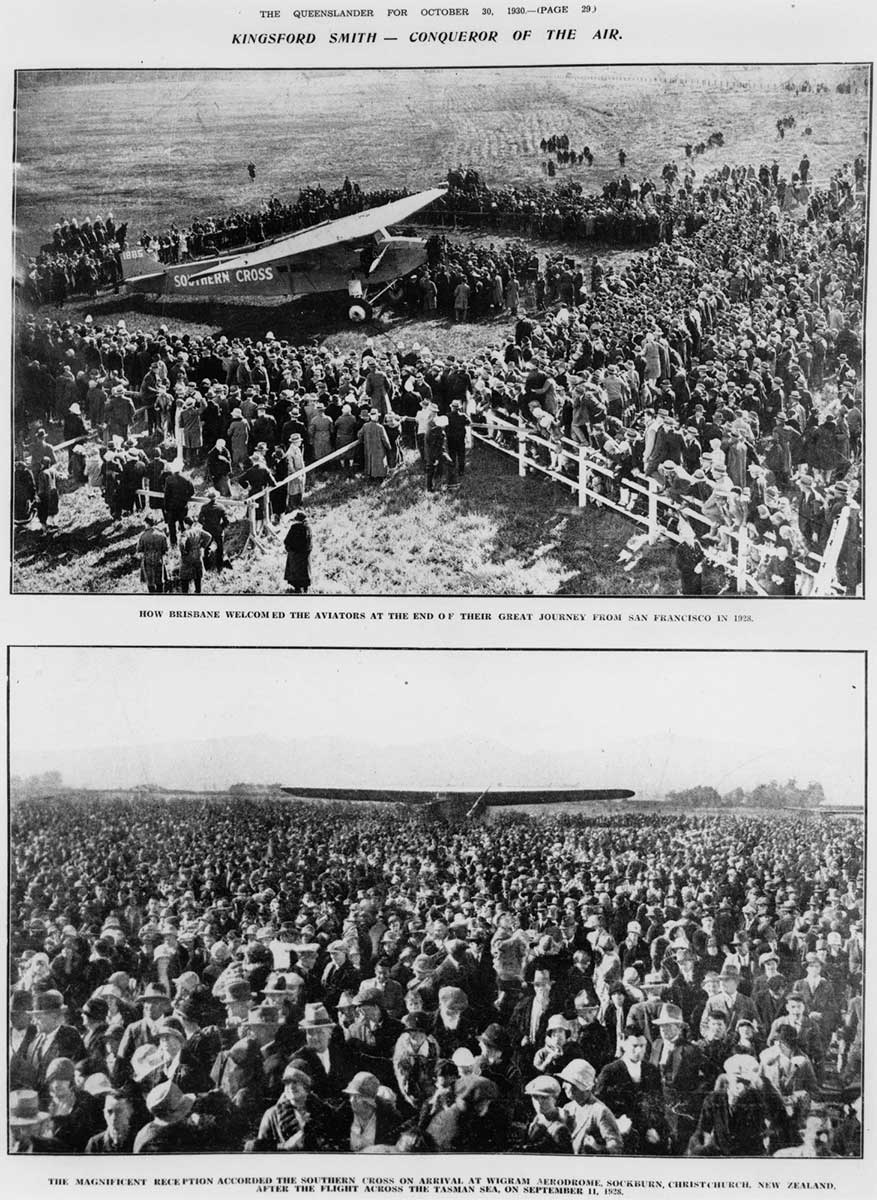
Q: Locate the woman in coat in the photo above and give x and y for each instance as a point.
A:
(298, 554)
(47, 493)
(376, 447)
(320, 430)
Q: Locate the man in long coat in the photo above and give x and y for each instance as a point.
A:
(376, 447)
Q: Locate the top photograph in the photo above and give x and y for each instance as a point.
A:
(566, 331)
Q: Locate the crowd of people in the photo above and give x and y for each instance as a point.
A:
(270, 975)
(84, 256)
(725, 365)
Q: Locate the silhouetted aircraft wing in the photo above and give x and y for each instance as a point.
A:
(495, 799)
(332, 233)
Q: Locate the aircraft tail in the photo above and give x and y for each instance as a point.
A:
(138, 262)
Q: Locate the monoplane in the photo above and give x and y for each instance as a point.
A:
(461, 803)
(355, 254)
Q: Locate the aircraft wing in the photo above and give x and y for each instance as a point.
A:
(490, 799)
(333, 233)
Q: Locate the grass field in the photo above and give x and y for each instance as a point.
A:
(496, 534)
(156, 147)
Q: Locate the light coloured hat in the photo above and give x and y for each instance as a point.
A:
(316, 1017)
(363, 1084)
(145, 1060)
(168, 1104)
(543, 1085)
(579, 1073)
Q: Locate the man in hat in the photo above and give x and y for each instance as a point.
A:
(339, 974)
(498, 1062)
(769, 989)
(185, 1070)
(592, 1125)
(808, 1031)
(473, 1122)
(817, 993)
(684, 991)
(171, 1129)
(684, 1073)
(54, 1037)
(453, 1025)
(392, 992)
(734, 1119)
(548, 1132)
(178, 491)
(372, 1037)
(790, 1071)
(643, 1013)
(589, 1034)
(22, 1035)
(214, 521)
(29, 1124)
(156, 1005)
(529, 1020)
(730, 1001)
(327, 1057)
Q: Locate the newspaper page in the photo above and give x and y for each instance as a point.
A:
(413, 413)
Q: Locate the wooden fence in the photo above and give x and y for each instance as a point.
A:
(818, 572)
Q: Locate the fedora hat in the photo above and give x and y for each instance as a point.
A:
(363, 1084)
(154, 991)
(367, 995)
(48, 1002)
(316, 1017)
(168, 1104)
(670, 1014)
(172, 1027)
(264, 1014)
(24, 1108)
(495, 1037)
(238, 991)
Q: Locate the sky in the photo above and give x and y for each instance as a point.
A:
(652, 721)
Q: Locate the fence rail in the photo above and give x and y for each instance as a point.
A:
(821, 576)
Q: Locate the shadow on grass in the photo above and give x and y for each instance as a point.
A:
(63, 546)
(535, 518)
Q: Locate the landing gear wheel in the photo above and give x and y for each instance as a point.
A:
(396, 292)
(360, 311)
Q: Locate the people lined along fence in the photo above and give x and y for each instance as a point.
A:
(234, 973)
(725, 365)
(749, 564)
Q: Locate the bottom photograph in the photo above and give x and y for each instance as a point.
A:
(411, 902)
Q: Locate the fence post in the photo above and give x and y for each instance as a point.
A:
(178, 438)
(653, 512)
(583, 476)
(825, 576)
(251, 515)
(742, 557)
(522, 449)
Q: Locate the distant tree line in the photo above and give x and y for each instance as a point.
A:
(36, 785)
(765, 795)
